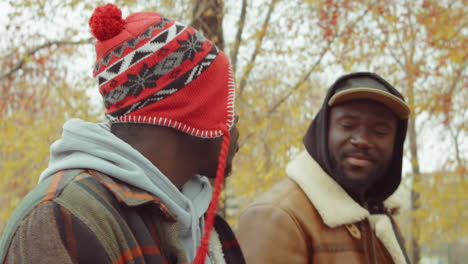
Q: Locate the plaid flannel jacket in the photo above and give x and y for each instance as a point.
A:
(84, 216)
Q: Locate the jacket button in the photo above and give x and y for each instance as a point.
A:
(354, 231)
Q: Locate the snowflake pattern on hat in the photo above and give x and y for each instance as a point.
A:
(145, 79)
(150, 70)
(191, 46)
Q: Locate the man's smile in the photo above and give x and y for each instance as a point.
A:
(358, 162)
(357, 158)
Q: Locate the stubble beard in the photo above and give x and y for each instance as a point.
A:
(351, 184)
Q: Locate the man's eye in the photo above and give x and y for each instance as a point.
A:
(381, 131)
(347, 125)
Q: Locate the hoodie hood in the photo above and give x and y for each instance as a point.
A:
(93, 146)
(316, 141)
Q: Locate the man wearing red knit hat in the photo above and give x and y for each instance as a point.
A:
(136, 189)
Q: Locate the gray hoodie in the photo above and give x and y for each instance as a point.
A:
(93, 146)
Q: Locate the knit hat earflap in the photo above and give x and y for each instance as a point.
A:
(155, 70)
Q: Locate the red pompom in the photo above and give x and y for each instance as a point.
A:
(106, 22)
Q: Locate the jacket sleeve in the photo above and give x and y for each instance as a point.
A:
(270, 234)
(50, 234)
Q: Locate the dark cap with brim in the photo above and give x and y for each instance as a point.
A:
(363, 87)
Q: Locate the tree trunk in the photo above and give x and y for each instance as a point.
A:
(207, 16)
(415, 256)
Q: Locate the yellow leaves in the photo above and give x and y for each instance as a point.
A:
(440, 32)
(268, 141)
(442, 207)
(444, 27)
(314, 2)
(24, 151)
(348, 64)
(458, 56)
(248, 67)
(30, 121)
(391, 18)
(418, 187)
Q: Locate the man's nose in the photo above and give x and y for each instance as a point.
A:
(360, 139)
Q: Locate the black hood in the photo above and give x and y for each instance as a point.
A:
(316, 142)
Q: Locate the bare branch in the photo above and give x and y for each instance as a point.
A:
(314, 66)
(398, 61)
(455, 135)
(240, 30)
(20, 64)
(258, 45)
(196, 11)
(399, 42)
(458, 77)
(306, 76)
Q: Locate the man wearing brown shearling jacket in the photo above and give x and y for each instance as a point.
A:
(333, 206)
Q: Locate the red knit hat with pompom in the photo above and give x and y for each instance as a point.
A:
(155, 70)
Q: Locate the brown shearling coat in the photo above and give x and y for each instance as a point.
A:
(309, 218)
